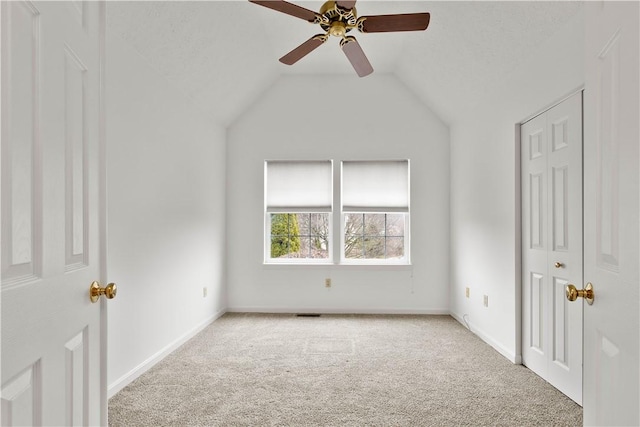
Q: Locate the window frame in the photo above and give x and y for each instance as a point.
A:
(336, 211)
(403, 207)
(323, 195)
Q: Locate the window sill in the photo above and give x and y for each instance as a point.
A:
(353, 266)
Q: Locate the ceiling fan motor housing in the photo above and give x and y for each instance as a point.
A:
(337, 21)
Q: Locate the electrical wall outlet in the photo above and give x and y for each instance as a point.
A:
(486, 300)
(204, 292)
(327, 282)
(466, 292)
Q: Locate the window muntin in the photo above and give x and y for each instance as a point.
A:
(299, 236)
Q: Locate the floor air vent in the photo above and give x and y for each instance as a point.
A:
(307, 315)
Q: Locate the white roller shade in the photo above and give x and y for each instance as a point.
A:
(298, 186)
(375, 186)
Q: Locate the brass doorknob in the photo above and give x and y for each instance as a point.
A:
(95, 291)
(587, 293)
(558, 265)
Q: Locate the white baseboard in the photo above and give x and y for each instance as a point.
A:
(143, 367)
(510, 355)
(281, 310)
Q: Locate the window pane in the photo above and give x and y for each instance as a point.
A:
(279, 246)
(318, 248)
(395, 225)
(374, 224)
(395, 247)
(354, 247)
(353, 224)
(319, 231)
(303, 224)
(319, 234)
(374, 247)
(304, 248)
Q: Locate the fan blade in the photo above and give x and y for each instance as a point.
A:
(400, 22)
(346, 4)
(288, 8)
(356, 56)
(304, 49)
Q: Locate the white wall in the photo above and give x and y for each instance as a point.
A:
(166, 230)
(340, 118)
(485, 188)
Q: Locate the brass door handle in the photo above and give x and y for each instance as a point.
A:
(95, 291)
(587, 293)
(558, 265)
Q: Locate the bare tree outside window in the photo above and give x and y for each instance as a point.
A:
(373, 236)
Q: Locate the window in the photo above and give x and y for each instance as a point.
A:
(374, 212)
(298, 204)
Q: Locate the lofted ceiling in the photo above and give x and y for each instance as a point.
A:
(224, 54)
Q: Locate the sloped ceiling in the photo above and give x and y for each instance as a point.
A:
(224, 54)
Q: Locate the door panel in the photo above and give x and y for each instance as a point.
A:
(552, 244)
(21, 166)
(560, 208)
(561, 337)
(22, 397)
(536, 341)
(51, 115)
(612, 235)
(76, 185)
(537, 197)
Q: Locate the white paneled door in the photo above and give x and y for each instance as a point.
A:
(552, 244)
(53, 364)
(612, 239)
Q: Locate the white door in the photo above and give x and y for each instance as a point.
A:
(552, 244)
(52, 336)
(611, 324)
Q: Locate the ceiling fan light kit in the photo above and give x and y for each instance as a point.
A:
(339, 17)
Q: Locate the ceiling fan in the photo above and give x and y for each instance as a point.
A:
(339, 17)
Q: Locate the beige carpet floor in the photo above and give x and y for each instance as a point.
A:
(339, 370)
